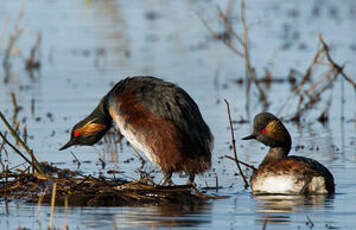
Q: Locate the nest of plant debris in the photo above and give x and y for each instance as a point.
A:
(91, 191)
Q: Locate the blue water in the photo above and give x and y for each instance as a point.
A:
(88, 45)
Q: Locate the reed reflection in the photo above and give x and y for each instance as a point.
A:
(166, 215)
(277, 207)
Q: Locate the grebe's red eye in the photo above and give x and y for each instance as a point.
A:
(76, 133)
(264, 131)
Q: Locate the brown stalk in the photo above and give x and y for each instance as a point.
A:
(14, 148)
(241, 162)
(76, 159)
(340, 69)
(216, 36)
(114, 224)
(40, 199)
(10, 46)
(16, 108)
(1, 148)
(6, 188)
(234, 145)
(226, 38)
(33, 107)
(66, 213)
(313, 99)
(53, 200)
(249, 70)
(25, 134)
(28, 150)
(306, 77)
(205, 196)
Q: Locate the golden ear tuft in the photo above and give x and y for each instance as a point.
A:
(275, 129)
(90, 128)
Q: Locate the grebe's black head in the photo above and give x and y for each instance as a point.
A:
(269, 130)
(86, 132)
(91, 129)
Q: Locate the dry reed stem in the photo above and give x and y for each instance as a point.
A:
(4, 30)
(1, 148)
(229, 29)
(11, 43)
(241, 162)
(234, 145)
(205, 196)
(14, 148)
(250, 73)
(114, 224)
(227, 41)
(8, 51)
(310, 222)
(143, 161)
(66, 213)
(313, 98)
(216, 36)
(76, 159)
(308, 97)
(28, 150)
(32, 107)
(6, 189)
(32, 62)
(340, 69)
(53, 200)
(25, 134)
(265, 222)
(39, 203)
(16, 107)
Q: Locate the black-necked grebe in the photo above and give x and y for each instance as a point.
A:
(157, 117)
(282, 174)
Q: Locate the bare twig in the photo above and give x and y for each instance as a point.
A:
(28, 150)
(241, 162)
(32, 106)
(216, 36)
(340, 69)
(310, 222)
(143, 161)
(8, 51)
(76, 159)
(16, 107)
(234, 145)
(6, 188)
(14, 148)
(66, 213)
(53, 200)
(226, 38)
(40, 199)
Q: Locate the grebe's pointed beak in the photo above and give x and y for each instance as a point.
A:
(252, 136)
(69, 144)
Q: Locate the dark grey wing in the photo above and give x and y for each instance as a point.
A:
(316, 166)
(171, 102)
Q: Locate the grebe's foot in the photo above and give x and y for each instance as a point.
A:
(190, 180)
(166, 180)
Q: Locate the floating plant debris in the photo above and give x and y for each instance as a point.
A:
(91, 191)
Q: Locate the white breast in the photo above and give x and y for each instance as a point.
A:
(276, 184)
(136, 140)
(286, 184)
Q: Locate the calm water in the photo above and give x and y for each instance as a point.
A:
(88, 45)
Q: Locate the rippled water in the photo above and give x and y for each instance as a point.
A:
(87, 46)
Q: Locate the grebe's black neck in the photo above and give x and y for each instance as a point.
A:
(276, 153)
(101, 113)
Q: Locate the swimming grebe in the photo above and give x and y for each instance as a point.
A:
(282, 174)
(157, 117)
